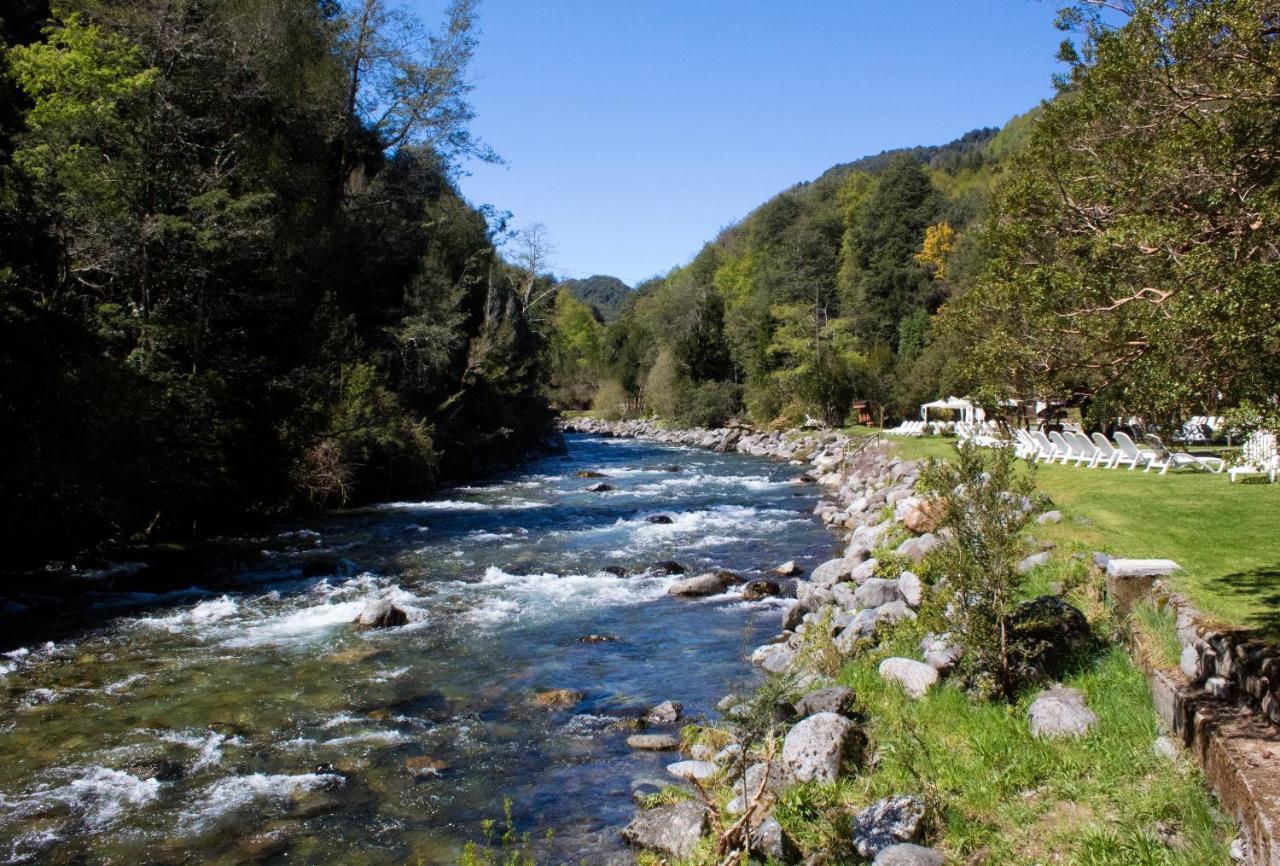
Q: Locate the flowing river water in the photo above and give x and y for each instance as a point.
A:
(239, 716)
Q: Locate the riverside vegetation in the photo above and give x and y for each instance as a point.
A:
(984, 764)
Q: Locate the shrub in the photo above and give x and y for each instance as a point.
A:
(987, 506)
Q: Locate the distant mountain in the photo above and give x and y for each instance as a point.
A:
(607, 295)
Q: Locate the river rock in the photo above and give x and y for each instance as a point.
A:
(691, 771)
(1044, 634)
(659, 519)
(701, 585)
(770, 842)
(667, 567)
(599, 488)
(911, 587)
(793, 616)
(775, 658)
(671, 830)
(615, 570)
(812, 597)
(863, 625)
(1050, 517)
(425, 765)
(653, 742)
(846, 596)
(1035, 560)
(789, 569)
(381, 613)
(558, 698)
(894, 611)
(864, 571)
(886, 823)
(665, 713)
(1060, 712)
(597, 638)
(939, 653)
(589, 473)
(831, 572)
(876, 591)
(916, 677)
(916, 549)
(818, 747)
(840, 700)
(758, 589)
(907, 854)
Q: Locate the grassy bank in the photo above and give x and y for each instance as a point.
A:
(1225, 536)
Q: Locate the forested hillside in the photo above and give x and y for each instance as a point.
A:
(236, 275)
(606, 295)
(821, 296)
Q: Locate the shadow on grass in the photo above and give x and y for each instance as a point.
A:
(1260, 587)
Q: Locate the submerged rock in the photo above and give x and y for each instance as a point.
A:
(381, 613)
(615, 570)
(659, 519)
(665, 713)
(599, 488)
(323, 566)
(671, 830)
(758, 589)
(425, 765)
(597, 638)
(667, 567)
(653, 742)
(887, 823)
(558, 698)
(589, 473)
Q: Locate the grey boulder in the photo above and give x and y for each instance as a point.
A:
(886, 823)
(876, 591)
(701, 585)
(817, 748)
(840, 700)
(907, 854)
(665, 713)
(915, 677)
(911, 587)
(671, 830)
(692, 771)
(381, 613)
(1060, 712)
(770, 842)
(830, 573)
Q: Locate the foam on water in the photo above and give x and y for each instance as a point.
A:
(222, 800)
(98, 796)
(514, 596)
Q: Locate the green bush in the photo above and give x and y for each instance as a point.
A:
(707, 404)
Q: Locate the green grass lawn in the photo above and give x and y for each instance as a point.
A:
(1225, 536)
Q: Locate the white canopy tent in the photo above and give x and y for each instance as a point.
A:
(969, 413)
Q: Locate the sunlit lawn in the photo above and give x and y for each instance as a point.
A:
(1225, 536)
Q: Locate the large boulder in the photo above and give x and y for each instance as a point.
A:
(840, 700)
(812, 596)
(862, 626)
(1044, 635)
(877, 591)
(912, 588)
(894, 611)
(916, 549)
(700, 585)
(864, 571)
(817, 748)
(907, 854)
(775, 658)
(1060, 712)
(886, 823)
(381, 613)
(915, 677)
(831, 572)
(653, 742)
(755, 590)
(671, 830)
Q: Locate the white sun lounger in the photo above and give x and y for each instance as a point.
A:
(1133, 455)
(1087, 452)
(1164, 459)
(1112, 456)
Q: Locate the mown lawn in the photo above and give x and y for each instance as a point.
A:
(1225, 536)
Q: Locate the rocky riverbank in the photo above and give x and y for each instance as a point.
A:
(844, 608)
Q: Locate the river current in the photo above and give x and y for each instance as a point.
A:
(238, 716)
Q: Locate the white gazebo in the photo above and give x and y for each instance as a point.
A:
(969, 413)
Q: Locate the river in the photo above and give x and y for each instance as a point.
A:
(238, 716)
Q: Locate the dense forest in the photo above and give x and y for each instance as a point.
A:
(1112, 250)
(606, 295)
(236, 274)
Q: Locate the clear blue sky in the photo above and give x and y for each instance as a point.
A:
(635, 129)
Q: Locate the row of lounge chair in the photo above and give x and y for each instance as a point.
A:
(1096, 450)
(1258, 456)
